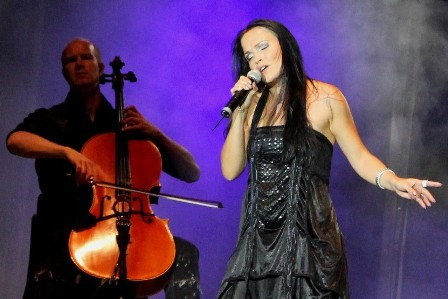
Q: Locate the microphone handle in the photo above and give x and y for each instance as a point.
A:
(236, 101)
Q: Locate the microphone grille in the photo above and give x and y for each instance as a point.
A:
(254, 75)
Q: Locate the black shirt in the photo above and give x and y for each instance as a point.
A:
(66, 124)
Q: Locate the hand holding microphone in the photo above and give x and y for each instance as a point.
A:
(238, 98)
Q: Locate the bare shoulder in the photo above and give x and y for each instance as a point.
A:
(324, 102)
(318, 91)
(321, 93)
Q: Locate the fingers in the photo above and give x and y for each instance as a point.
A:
(242, 83)
(140, 124)
(423, 200)
(131, 122)
(133, 119)
(418, 191)
(425, 183)
(432, 184)
(86, 172)
(418, 198)
(136, 122)
(131, 110)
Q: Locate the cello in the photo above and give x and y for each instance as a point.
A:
(127, 245)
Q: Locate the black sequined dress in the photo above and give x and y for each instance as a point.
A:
(290, 244)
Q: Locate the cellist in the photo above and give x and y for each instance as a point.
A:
(54, 138)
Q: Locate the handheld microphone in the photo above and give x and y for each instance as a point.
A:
(238, 98)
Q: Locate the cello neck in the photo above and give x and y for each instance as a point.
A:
(123, 169)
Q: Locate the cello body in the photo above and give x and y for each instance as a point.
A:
(127, 245)
(150, 250)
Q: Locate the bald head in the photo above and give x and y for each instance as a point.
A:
(82, 66)
(94, 49)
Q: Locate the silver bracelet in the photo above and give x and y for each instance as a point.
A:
(379, 174)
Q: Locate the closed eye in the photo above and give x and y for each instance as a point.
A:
(263, 46)
(260, 47)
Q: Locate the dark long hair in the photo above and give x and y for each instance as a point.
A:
(293, 80)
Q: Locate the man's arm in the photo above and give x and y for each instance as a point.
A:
(177, 161)
(30, 145)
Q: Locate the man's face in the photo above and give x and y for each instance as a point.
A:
(80, 67)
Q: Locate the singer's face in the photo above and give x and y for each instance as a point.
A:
(263, 52)
(80, 67)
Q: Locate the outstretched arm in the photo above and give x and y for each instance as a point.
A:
(177, 160)
(367, 165)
